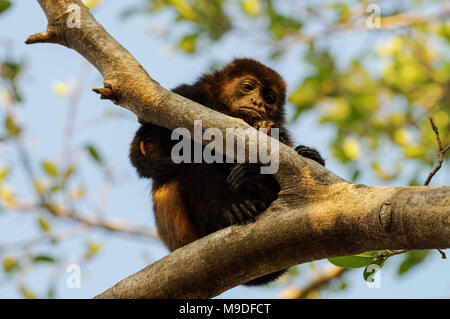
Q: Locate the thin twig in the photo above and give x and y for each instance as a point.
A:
(446, 149)
(72, 110)
(443, 255)
(391, 253)
(441, 152)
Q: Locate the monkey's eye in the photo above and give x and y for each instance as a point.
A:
(247, 86)
(269, 97)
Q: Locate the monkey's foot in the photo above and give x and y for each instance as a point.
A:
(310, 153)
(244, 211)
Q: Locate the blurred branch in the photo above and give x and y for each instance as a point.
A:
(358, 23)
(323, 279)
(111, 224)
(72, 108)
(55, 235)
(413, 18)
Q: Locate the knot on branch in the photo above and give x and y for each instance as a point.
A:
(48, 36)
(106, 93)
(385, 216)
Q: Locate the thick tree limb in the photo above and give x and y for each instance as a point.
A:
(345, 220)
(317, 214)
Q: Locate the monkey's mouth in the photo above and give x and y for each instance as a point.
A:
(252, 110)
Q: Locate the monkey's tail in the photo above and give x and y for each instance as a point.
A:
(264, 280)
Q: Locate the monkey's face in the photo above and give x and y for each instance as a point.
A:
(251, 100)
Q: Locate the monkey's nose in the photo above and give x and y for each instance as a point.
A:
(257, 102)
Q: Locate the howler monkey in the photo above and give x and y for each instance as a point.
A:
(193, 200)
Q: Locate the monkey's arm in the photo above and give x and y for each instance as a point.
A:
(150, 153)
(248, 177)
(301, 149)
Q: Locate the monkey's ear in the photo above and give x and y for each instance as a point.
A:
(198, 92)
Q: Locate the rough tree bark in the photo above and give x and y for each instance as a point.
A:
(317, 214)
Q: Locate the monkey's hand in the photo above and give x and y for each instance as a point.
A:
(246, 181)
(310, 153)
(264, 124)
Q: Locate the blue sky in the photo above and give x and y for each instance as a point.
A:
(43, 114)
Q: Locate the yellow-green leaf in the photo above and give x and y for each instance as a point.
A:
(50, 168)
(44, 225)
(4, 171)
(251, 7)
(11, 126)
(189, 43)
(9, 264)
(27, 293)
(92, 249)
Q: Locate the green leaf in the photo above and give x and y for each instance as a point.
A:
(10, 69)
(94, 153)
(189, 43)
(355, 175)
(70, 170)
(4, 171)
(56, 188)
(44, 225)
(4, 4)
(412, 259)
(50, 168)
(51, 293)
(251, 8)
(10, 264)
(43, 258)
(92, 249)
(373, 268)
(343, 11)
(11, 127)
(357, 261)
(27, 293)
(343, 286)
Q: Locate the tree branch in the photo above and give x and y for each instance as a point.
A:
(322, 280)
(317, 214)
